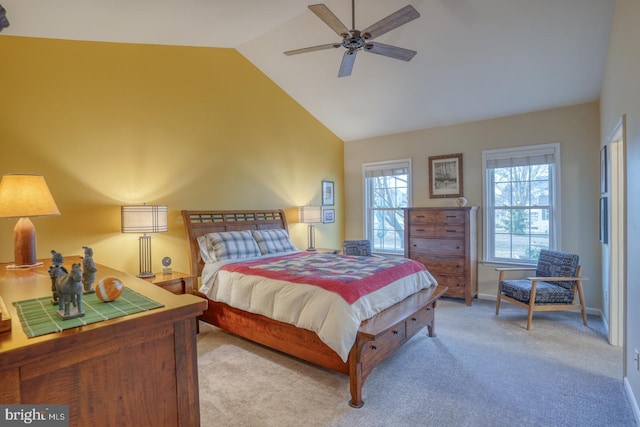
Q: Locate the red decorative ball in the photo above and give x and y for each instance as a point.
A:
(109, 289)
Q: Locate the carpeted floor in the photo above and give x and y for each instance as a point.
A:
(481, 370)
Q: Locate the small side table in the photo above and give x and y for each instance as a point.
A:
(176, 282)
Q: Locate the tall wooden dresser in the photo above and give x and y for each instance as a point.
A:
(445, 241)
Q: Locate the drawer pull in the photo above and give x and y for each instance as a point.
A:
(394, 332)
(373, 347)
(451, 231)
(420, 229)
(419, 216)
(414, 319)
(428, 308)
(451, 216)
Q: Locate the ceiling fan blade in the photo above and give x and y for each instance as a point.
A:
(312, 48)
(396, 19)
(329, 18)
(390, 51)
(346, 65)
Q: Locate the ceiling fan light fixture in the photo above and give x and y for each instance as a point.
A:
(4, 22)
(354, 40)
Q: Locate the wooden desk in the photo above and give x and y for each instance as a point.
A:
(140, 369)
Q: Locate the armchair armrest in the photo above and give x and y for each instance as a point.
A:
(557, 279)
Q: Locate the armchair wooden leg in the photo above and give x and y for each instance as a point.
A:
(532, 303)
(581, 297)
(500, 277)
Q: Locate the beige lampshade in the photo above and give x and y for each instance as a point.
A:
(25, 196)
(310, 214)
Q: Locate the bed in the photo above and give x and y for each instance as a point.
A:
(374, 339)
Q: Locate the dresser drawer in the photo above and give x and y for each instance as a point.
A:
(436, 247)
(437, 231)
(438, 217)
(450, 266)
(457, 284)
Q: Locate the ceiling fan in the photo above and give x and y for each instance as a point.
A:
(355, 40)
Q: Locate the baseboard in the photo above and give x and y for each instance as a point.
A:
(632, 401)
(492, 297)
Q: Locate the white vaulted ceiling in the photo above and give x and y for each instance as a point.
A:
(476, 59)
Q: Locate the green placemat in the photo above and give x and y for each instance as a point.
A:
(38, 315)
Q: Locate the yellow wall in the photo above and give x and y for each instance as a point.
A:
(109, 124)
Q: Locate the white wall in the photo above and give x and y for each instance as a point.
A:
(576, 128)
(621, 95)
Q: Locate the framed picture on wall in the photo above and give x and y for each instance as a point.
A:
(328, 216)
(445, 176)
(604, 223)
(603, 169)
(328, 195)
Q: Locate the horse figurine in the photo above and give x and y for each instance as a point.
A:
(69, 288)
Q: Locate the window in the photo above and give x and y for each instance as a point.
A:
(387, 187)
(522, 212)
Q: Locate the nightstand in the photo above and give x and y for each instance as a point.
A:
(176, 282)
(326, 251)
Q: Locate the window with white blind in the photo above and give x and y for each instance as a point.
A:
(387, 188)
(521, 199)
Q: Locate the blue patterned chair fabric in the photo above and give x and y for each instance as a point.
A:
(356, 247)
(550, 264)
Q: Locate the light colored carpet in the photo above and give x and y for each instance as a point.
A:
(481, 370)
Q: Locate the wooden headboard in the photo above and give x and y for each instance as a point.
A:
(199, 223)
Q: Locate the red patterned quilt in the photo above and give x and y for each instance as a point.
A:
(348, 276)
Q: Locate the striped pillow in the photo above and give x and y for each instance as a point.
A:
(225, 245)
(273, 241)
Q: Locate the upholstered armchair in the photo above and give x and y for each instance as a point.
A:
(356, 247)
(555, 285)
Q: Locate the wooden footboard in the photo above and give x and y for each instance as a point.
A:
(377, 337)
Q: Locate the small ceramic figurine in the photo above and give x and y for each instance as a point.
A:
(461, 201)
(69, 287)
(88, 270)
(56, 269)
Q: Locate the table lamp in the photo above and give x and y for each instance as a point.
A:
(24, 196)
(310, 215)
(144, 219)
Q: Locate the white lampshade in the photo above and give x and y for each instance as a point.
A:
(144, 219)
(310, 214)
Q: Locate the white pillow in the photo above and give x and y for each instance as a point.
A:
(225, 245)
(273, 241)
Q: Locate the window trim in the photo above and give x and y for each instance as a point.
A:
(554, 205)
(365, 195)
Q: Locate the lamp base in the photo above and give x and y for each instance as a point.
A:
(146, 275)
(24, 243)
(24, 267)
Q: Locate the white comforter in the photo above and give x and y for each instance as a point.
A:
(306, 306)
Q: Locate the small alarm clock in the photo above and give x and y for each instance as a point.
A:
(166, 269)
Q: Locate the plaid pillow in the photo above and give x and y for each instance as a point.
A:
(273, 241)
(226, 245)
